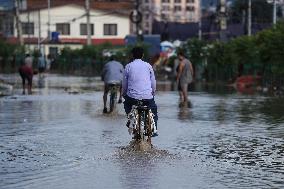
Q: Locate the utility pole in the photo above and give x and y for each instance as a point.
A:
(139, 31)
(274, 12)
(39, 32)
(249, 17)
(29, 28)
(18, 23)
(200, 21)
(274, 2)
(223, 20)
(89, 41)
(48, 22)
(136, 18)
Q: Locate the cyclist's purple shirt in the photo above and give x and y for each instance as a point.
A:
(139, 80)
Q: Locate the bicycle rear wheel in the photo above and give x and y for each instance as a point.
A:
(144, 126)
(148, 127)
(140, 125)
(112, 100)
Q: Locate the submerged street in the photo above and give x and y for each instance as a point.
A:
(59, 138)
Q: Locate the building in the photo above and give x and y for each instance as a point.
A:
(179, 11)
(7, 12)
(6, 24)
(69, 21)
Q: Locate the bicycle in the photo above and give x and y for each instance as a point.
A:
(141, 122)
(113, 87)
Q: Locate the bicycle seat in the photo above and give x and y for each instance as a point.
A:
(114, 83)
(141, 105)
(143, 108)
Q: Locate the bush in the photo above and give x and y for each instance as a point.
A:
(9, 56)
(90, 59)
(259, 54)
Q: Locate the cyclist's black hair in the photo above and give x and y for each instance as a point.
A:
(112, 57)
(180, 53)
(137, 52)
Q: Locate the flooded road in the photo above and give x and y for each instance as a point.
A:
(59, 138)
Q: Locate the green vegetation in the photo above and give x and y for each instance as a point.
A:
(260, 54)
(9, 56)
(90, 59)
(86, 61)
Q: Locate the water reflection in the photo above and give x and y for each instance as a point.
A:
(260, 153)
(133, 166)
(41, 81)
(232, 141)
(272, 109)
(141, 169)
(219, 111)
(185, 112)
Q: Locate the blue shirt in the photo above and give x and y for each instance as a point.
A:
(112, 72)
(139, 80)
(41, 62)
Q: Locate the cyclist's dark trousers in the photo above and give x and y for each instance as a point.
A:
(129, 102)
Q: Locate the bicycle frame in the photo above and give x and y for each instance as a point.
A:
(113, 96)
(142, 122)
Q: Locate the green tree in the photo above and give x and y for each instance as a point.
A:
(7, 51)
(271, 48)
(194, 50)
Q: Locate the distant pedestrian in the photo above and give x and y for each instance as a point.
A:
(184, 77)
(48, 63)
(28, 61)
(26, 73)
(41, 64)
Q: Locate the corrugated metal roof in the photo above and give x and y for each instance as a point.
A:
(120, 5)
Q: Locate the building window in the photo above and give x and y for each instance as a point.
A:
(83, 29)
(166, 8)
(8, 26)
(147, 24)
(177, 1)
(164, 16)
(165, 1)
(146, 7)
(147, 16)
(190, 1)
(63, 28)
(110, 29)
(177, 8)
(28, 28)
(190, 8)
(177, 18)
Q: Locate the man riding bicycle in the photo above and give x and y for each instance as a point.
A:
(139, 83)
(112, 74)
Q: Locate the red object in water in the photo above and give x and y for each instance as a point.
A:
(247, 79)
(245, 84)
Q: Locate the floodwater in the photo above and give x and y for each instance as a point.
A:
(59, 138)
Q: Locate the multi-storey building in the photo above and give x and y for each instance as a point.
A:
(181, 11)
(68, 19)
